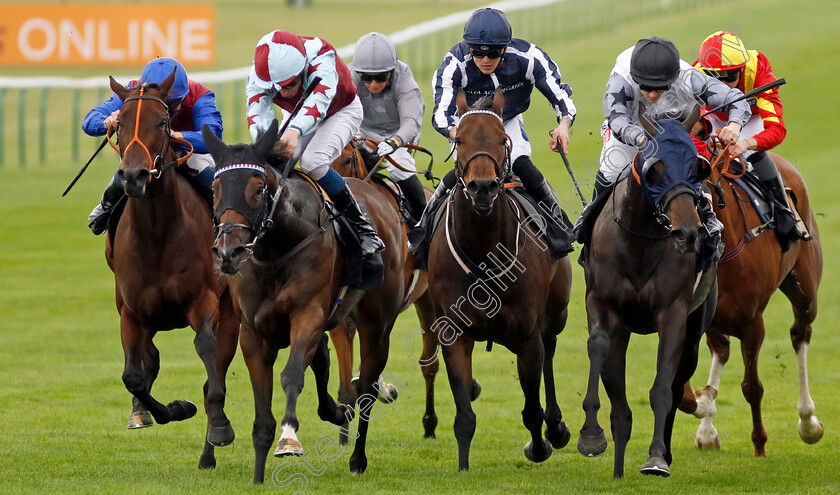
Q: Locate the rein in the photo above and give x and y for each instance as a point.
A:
(372, 143)
(153, 162)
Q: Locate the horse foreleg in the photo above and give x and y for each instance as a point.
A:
(204, 319)
(135, 341)
(342, 339)
(227, 338)
(328, 410)
(529, 364)
(459, 371)
(373, 354)
(802, 292)
(751, 386)
(429, 363)
(592, 441)
(707, 436)
(140, 415)
(259, 358)
(556, 430)
(621, 418)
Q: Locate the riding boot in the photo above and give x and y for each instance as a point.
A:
(350, 209)
(711, 248)
(417, 241)
(558, 228)
(98, 218)
(788, 227)
(582, 233)
(415, 195)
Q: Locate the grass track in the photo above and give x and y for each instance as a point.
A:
(64, 406)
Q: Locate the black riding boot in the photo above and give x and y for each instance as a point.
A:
(415, 195)
(558, 229)
(711, 248)
(417, 238)
(98, 219)
(349, 208)
(788, 228)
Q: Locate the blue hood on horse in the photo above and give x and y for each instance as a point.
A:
(673, 145)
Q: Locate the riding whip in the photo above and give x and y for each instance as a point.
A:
(306, 92)
(756, 91)
(569, 169)
(76, 178)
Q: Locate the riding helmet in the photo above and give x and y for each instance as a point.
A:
(655, 62)
(723, 51)
(159, 69)
(487, 27)
(278, 59)
(374, 52)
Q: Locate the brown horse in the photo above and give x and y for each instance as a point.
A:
(164, 273)
(640, 278)
(751, 270)
(285, 266)
(351, 164)
(492, 279)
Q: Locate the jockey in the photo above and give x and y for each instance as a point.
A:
(652, 74)
(724, 57)
(393, 110)
(284, 63)
(191, 105)
(489, 58)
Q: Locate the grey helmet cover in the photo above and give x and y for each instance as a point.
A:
(374, 52)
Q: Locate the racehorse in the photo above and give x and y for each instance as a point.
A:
(640, 277)
(163, 270)
(284, 266)
(351, 164)
(750, 271)
(491, 278)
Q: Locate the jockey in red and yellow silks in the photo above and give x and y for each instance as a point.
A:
(724, 56)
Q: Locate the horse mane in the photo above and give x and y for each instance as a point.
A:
(483, 103)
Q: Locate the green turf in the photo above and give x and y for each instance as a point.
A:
(64, 407)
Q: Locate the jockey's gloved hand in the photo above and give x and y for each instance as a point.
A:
(387, 147)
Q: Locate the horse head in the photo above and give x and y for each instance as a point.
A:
(670, 173)
(350, 162)
(241, 190)
(143, 129)
(483, 152)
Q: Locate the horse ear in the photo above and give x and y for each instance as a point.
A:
(216, 146)
(118, 88)
(693, 117)
(647, 124)
(266, 142)
(498, 101)
(166, 85)
(461, 102)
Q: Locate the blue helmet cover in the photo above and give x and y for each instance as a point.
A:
(487, 27)
(673, 145)
(159, 69)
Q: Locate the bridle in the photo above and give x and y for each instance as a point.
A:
(502, 170)
(260, 218)
(153, 162)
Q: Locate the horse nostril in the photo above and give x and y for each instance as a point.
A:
(472, 187)
(493, 189)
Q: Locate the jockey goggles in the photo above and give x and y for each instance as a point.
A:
(379, 77)
(486, 52)
(645, 87)
(728, 76)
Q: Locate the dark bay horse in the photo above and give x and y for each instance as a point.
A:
(163, 270)
(491, 278)
(640, 278)
(351, 164)
(749, 273)
(284, 266)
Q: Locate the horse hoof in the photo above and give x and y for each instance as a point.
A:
(810, 431)
(534, 457)
(207, 463)
(430, 422)
(140, 419)
(592, 445)
(220, 436)
(713, 444)
(656, 466)
(476, 390)
(358, 465)
(388, 393)
(288, 446)
(559, 435)
(179, 410)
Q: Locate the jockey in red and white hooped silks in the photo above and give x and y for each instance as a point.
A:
(284, 64)
(725, 57)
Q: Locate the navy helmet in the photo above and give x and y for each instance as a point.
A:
(655, 62)
(488, 27)
(159, 69)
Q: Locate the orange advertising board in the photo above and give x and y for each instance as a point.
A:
(106, 34)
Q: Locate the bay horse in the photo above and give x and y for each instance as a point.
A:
(284, 266)
(164, 273)
(351, 164)
(491, 278)
(750, 271)
(640, 278)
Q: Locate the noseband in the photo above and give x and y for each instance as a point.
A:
(259, 218)
(153, 172)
